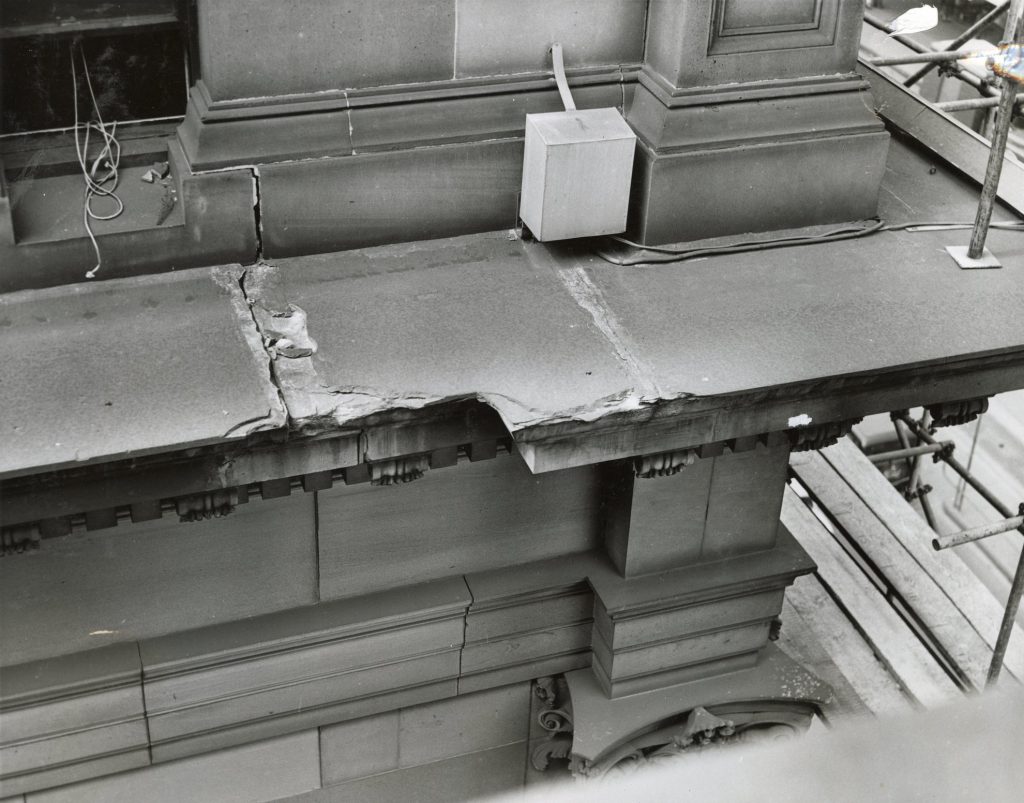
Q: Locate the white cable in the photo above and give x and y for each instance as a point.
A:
(109, 157)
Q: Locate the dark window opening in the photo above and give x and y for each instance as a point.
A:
(136, 52)
(134, 76)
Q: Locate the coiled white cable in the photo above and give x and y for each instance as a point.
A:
(108, 158)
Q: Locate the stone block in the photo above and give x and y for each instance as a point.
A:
(657, 523)
(744, 502)
(259, 559)
(468, 777)
(756, 187)
(359, 747)
(357, 201)
(495, 37)
(647, 666)
(300, 46)
(695, 621)
(464, 724)
(259, 772)
(474, 517)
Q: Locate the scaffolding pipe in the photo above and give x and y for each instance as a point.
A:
(963, 38)
(935, 57)
(972, 103)
(977, 533)
(1017, 586)
(955, 464)
(968, 78)
(1007, 97)
(911, 451)
(1006, 626)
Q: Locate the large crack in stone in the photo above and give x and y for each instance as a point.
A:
(316, 407)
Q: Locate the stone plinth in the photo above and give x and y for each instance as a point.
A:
(750, 119)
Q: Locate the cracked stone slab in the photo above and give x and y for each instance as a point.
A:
(101, 371)
(549, 334)
(761, 320)
(406, 326)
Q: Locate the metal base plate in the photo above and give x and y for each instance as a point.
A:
(959, 254)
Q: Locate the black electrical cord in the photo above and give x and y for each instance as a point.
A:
(661, 254)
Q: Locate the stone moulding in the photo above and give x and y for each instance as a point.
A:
(201, 690)
(219, 134)
(215, 687)
(281, 672)
(71, 718)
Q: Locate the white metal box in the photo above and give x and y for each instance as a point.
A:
(576, 173)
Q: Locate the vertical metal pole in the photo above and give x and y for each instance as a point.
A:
(1017, 588)
(958, 500)
(1007, 97)
(1009, 618)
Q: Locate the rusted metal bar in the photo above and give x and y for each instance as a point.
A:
(963, 38)
(935, 57)
(911, 451)
(1007, 98)
(977, 533)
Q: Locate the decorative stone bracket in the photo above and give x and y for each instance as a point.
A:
(820, 436)
(404, 469)
(951, 414)
(211, 505)
(663, 465)
(555, 717)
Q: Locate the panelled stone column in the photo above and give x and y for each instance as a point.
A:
(750, 118)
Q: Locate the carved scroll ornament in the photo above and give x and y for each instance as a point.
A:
(677, 738)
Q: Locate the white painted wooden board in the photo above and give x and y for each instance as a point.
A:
(890, 637)
(828, 626)
(966, 591)
(943, 620)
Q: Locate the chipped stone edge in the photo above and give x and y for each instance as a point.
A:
(315, 407)
(229, 278)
